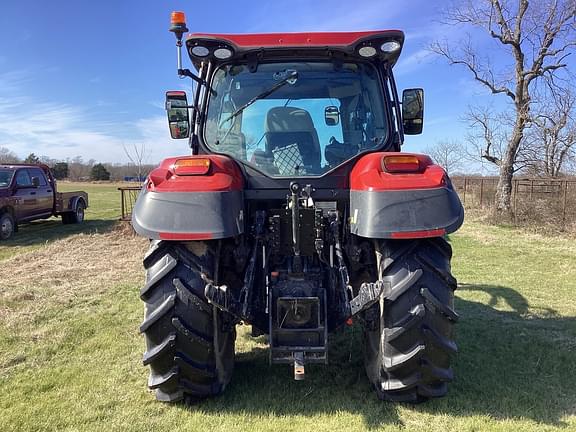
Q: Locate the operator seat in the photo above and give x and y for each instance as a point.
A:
(292, 128)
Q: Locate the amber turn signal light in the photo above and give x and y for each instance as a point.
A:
(401, 163)
(192, 166)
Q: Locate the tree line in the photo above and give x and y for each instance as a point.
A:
(77, 169)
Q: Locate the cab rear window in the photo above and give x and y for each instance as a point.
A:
(296, 119)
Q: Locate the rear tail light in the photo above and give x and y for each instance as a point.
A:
(192, 166)
(419, 234)
(401, 163)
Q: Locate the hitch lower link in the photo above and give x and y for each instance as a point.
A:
(221, 297)
(368, 294)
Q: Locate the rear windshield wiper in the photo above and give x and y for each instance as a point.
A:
(291, 78)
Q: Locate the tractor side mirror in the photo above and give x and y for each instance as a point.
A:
(331, 115)
(413, 111)
(178, 117)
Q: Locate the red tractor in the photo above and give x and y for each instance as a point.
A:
(296, 212)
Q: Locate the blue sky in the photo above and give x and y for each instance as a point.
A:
(85, 78)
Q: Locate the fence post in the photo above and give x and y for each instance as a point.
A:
(123, 208)
(564, 203)
(465, 186)
(481, 192)
(515, 200)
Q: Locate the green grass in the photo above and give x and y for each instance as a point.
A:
(78, 366)
(103, 210)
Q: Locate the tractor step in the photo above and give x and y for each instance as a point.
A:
(368, 294)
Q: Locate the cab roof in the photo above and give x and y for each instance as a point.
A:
(296, 44)
(21, 165)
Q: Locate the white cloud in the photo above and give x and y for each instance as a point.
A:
(439, 121)
(12, 81)
(61, 131)
(412, 62)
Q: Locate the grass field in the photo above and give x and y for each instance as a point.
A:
(70, 352)
(104, 210)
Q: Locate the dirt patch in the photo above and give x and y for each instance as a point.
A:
(66, 272)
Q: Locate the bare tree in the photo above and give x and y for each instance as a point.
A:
(553, 134)
(486, 135)
(489, 135)
(8, 156)
(78, 169)
(449, 154)
(136, 155)
(537, 37)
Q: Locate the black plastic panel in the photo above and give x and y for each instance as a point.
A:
(379, 214)
(220, 214)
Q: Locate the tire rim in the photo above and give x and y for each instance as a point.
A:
(6, 228)
(80, 213)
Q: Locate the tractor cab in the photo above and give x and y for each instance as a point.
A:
(295, 105)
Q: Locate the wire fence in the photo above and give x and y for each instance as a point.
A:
(534, 200)
(128, 196)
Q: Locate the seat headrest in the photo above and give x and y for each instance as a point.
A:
(289, 119)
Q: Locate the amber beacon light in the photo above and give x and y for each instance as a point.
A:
(178, 22)
(178, 27)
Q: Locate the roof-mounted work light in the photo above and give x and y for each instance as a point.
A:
(367, 51)
(390, 46)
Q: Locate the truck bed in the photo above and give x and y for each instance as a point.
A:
(65, 201)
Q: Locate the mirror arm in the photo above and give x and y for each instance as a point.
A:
(193, 143)
(201, 81)
(187, 73)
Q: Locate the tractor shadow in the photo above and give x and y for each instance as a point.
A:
(40, 232)
(518, 363)
(512, 364)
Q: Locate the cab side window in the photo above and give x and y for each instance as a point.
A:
(23, 179)
(36, 172)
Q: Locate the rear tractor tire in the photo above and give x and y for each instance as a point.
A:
(409, 333)
(189, 343)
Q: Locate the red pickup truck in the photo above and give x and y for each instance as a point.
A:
(28, 192)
